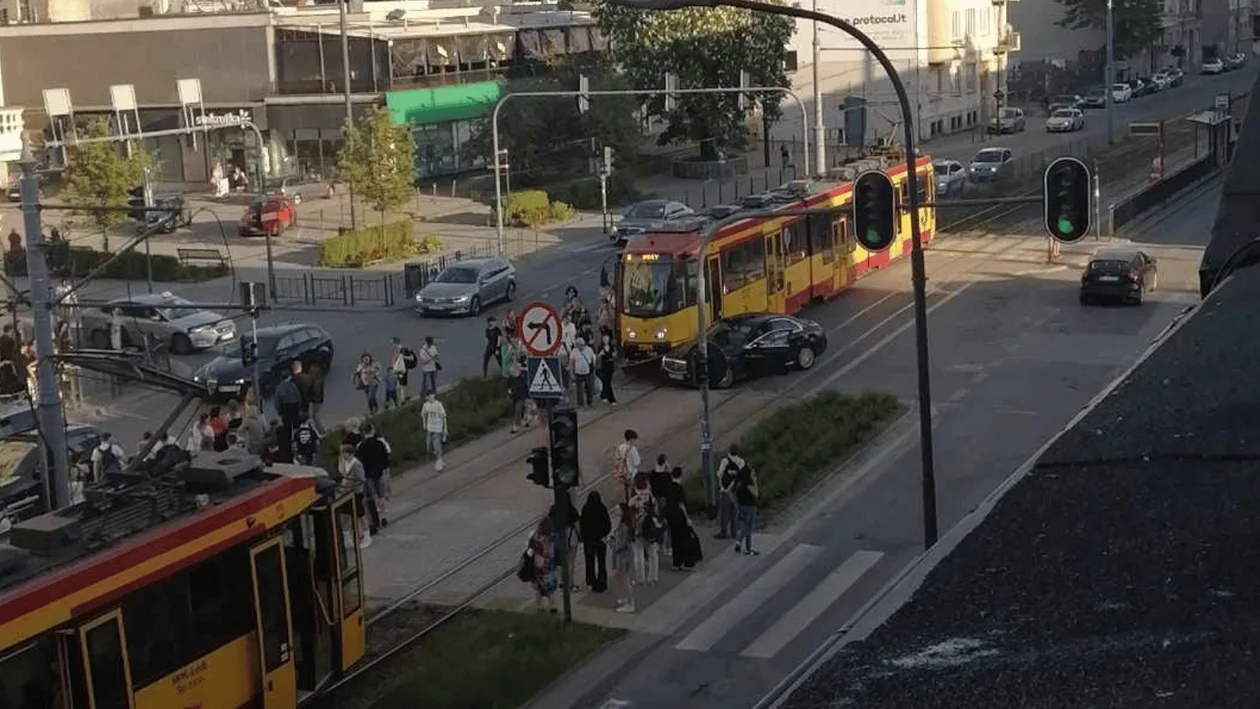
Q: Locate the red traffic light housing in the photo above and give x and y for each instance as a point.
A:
(874, 210)
(1068, 192)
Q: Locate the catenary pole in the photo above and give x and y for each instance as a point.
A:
(345, 79)
(820, 130)
(918, 270)
(494, 127)
(52, 423)
(1111, 74)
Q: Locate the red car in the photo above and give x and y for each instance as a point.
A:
(268, 215)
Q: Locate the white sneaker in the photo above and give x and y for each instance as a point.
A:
(438, 465)
(626, 608)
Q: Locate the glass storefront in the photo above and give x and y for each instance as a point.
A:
(440, 148)
(311, 153)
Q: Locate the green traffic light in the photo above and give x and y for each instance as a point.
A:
(1065, 226)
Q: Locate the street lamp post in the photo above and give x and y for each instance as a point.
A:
(1110, 74)
(494, 128)
(918, 271)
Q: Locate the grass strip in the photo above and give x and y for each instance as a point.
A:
(492, 660)
(798, 445)
(474, 407)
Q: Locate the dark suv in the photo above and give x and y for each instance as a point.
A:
(227, 376)
(1118, 275)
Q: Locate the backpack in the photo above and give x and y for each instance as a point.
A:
(526, 572)
(653, 531)
(109, 461)
(410, 360)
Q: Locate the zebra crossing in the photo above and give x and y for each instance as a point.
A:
(815, 592)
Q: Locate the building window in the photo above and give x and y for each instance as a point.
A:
(971, 22)
(957, 27)
(986, 21)
(971, 71)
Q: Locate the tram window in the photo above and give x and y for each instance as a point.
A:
(794, 241)
(733, 266)
(351, 591)
(754, 259)
(109, 671)
(272, 607)
(689, 293)
(901, 199)
(30, 677)
(926, 183)
(159, 637)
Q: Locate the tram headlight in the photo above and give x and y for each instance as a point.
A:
(632, 335)
(662, 333)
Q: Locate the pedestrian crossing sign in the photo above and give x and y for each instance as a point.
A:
(544, 378)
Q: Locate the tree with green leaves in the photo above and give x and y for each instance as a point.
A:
(378, 160)
(548, 138)
(103, 175)
(705, 48)
(1136, 22)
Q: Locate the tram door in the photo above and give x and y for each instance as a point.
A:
(349, 576)
(106, 682)
(714, 284)
(838, 250)
(274, 625)
(776, 293)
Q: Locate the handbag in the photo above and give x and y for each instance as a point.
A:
(526, 571)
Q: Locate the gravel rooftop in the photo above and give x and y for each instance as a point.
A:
(1122, 571)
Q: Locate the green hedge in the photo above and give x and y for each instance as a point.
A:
(799, 444)
(527, 208)
(383, 242)
(66, 261)
(474, 407)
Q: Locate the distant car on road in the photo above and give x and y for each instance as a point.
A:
(1212, 66)
(1161, 81)
(271, 214)
(1235, 61)
(990, 164)
(951, 177)
(153, 316)
(1141, 87)
(1121, 93)
(1065, 120)
(1176, 77)
(750, 345)
(1011, 120)
(227, 377)
(1065, 101)
(1118, 275)
(640, 217)
(467, 286)
(1096, 98)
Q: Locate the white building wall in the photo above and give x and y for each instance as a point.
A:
(1046, 40)
(944, 51)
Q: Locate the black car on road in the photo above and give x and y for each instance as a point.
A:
(1118, 275)
(227, 376)
(750, 345)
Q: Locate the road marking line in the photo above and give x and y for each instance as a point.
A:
(713, 629)
(615, 704)
(803, 614)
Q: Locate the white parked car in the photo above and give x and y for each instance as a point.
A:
(1121, 93)
(1160, 81)
(1212, 66)
(951, 177)
(1065, 120)
(1011, 120)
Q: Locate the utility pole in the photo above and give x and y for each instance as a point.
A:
(147, 190)
(820, 132)
(1110, 79)
(52, 422)
(345, 78)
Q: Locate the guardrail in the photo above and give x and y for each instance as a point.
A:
(368, 288)
(1128, 208)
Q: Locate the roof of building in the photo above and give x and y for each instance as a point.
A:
(1119, 570)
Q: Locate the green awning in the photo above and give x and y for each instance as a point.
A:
(444, 103)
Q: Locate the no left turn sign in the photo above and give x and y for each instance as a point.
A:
(540, 329)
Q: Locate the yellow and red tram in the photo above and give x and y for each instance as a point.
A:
(233, 587)
(776, 264)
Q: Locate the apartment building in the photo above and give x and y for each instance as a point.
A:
(951, 54)
(1226, 27)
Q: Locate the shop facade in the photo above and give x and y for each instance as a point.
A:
(443, 120)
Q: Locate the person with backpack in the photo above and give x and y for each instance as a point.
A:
(373, 453)
(306, 441)
(649, 531)
(396, 375)
(108, 457)
(746, 494)
(582, 365)
(727, 473)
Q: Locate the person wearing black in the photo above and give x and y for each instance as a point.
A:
(374, 456)
(571, 523)
(305, 441)
(315, 397)
(519, 384)
(683, 537)
(492, 346)
(606, 365)
(595, 528)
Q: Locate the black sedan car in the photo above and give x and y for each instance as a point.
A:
(1118, 275)
(227, 376)
(750, 345)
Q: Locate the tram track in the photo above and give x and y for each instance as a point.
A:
(956, 272)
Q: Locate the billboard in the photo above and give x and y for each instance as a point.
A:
(891, 23)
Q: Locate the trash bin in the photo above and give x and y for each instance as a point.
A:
(416, 275)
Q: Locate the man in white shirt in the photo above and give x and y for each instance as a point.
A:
(582, 364)
(434, 416)
(108, 457)
(626, 460)
(429, 366)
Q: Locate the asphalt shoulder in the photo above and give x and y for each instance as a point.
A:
(1116, 572)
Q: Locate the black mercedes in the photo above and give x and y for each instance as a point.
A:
(750, 345)
(279, 345)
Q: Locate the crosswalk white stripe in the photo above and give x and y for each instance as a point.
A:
(708, 633)
(816, 603)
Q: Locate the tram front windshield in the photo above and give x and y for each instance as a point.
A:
(652, 285)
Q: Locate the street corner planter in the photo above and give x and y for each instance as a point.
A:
(696, 169)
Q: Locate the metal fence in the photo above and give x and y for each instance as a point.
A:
(383, 288)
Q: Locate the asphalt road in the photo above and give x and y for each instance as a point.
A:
(1013, 357)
